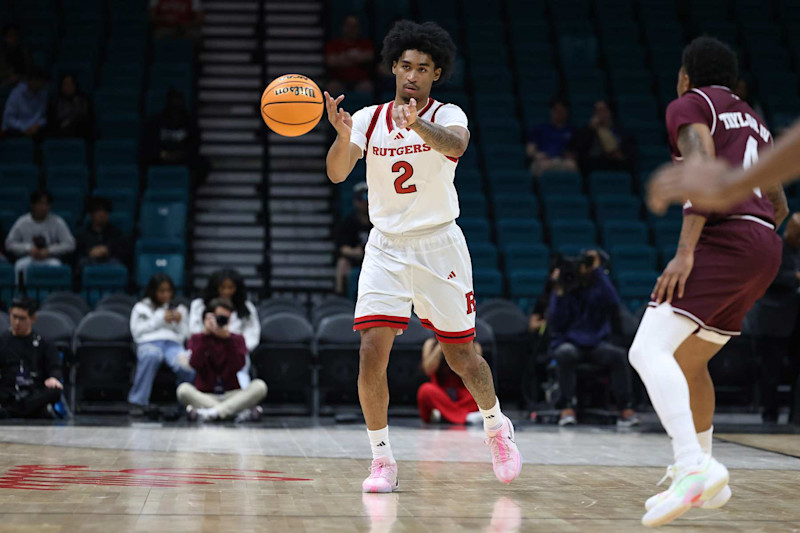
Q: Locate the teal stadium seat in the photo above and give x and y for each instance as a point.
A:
(118, 176)
(99, 280)
(526, 256)
(576, 233)
(475, 229)
(560, 182)
(566, 206)
(123, 200)
(617, 206)
(518, 231)
(122, 125)
(667, 232)
(68, 199)
(628, 257)
(526, 285)
(168, 177)
(25, 176)
(619, 232)
(160, 195)
(515, 206)
(484, 255)
(473, 205)
(115, 152)
(635, 287)
(167, 219)
(148, 264)
(8, 284)
(15, 200)
(16, 151)
(488, 283)
(75, 176)
(516, 182)
(607, 182)
(41, 280)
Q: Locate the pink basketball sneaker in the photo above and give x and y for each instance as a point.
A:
(506, 459)
(382, 477)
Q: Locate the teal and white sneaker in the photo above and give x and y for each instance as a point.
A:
(692, 486)
(716, 502)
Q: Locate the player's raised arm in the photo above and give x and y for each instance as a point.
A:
(451, 141)
(715, 185)
(342, 155)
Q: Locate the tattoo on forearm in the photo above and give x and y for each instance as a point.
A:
(690, 142)
(438, 137)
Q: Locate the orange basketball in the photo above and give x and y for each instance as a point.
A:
(292, 105)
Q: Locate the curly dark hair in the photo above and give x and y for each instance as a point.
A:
(428, 37)
(239, 298)
(709, 61)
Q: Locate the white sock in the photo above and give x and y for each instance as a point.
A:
(474, 418)
(492, 418)
(379, 440)
(653, 356)
(208, 413)
(705, 438)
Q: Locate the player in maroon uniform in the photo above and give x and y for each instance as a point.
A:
(724, 263)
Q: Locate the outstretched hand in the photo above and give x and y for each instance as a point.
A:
(699, 179)
(340, 119)
(405, 115)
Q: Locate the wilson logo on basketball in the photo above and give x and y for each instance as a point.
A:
(297, 91)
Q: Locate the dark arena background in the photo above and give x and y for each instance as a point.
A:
(139, 184)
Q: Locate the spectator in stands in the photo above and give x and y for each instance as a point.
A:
(217, 354)
(227, 283)
(351, 236)
(172, 137)
(39, 237)
(547, 142)
(772, 321)
(15, 59)
(349, 59)
(159, 327)
(602, 145)
(177, 18)
(31, 378)
(582, 307)
(26, 108)
(100, 241)
(69, 113)
(444, 397)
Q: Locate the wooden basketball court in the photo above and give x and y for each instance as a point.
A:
(174, 479)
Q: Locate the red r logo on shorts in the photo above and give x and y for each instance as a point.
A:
(470, 302)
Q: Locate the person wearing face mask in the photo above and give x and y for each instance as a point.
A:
(69, 114)
(602, 145)
(228, 283)
(216, 356)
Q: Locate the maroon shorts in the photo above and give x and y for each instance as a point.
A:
(734, 263)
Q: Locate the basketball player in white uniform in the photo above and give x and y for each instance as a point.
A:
(416, 254)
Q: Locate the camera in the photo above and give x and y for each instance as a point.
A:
(222, 321)
(569, 271)
(40, 242)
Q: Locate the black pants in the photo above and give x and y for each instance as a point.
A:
(605, 354)
(771, 351)
(34, 404)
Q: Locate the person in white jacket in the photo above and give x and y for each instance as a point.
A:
(228, 283)
(159, 329)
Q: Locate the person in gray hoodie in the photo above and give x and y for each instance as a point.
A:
(39, 237)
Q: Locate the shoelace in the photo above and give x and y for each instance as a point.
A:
(498, 447)
(376, 470)
(672, 471)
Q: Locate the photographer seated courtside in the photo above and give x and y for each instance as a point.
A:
(216, 355)
(582, 305)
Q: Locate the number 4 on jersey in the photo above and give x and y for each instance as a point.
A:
(407, 171)
(751, 158)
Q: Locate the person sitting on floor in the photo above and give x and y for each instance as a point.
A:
(216, 356)
(445, 397)
(31, 378)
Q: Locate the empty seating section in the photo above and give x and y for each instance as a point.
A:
(108, 47)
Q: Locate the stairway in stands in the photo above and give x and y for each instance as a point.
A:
(229, 226)
(300, 195)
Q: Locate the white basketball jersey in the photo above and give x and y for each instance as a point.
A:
(410, 184)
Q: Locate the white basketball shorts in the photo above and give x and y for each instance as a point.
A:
(431, 271)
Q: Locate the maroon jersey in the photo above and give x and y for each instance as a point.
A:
(739, 135)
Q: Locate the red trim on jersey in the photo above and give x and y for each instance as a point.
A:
(427, 106)
(380, 321)
(389, 120)
(449, 337)
(453, 159)
(433, 117)
(373, 122)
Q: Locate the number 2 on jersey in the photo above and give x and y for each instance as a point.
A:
(407, 171)
(751, 158)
